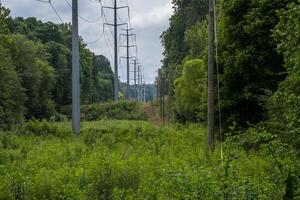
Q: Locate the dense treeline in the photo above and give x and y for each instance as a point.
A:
(258, 57)
(36, 70)
(258, 47)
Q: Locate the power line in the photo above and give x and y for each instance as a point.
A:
(83, 18)
(108, 47)
(53, 8)
(104, 17)
(97, 40)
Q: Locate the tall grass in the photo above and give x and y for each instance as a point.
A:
(131, 160)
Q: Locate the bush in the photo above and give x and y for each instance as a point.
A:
(43, 128)
(116, 111)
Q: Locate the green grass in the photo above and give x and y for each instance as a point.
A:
(130, 160)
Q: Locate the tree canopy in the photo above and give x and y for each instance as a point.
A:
(36, 66)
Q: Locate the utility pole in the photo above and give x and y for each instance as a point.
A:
(134, 71)
(127, 35)
(159, 93)
(75, 70)
(211, 66)
(163, 98)
(115, 8)
(116, 77)
(161, 82)
(144, 91)
(139, 82)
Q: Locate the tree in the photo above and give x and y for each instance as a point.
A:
(102, 79)
(36, 77)
(86, 81)
(37, 30)
(187, 13)
(196, 40)
(190, 92)
(250, 65)
(4, 20)
(12, 97)
(37, 58)
(284, 105)
(59, 56)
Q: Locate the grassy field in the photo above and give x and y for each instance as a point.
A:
(134, 160)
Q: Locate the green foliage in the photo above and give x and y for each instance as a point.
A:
(95, 71)
(258, 45)
(36, 66)
(187, 15)
(190, 91)
(196, 40)
(39, 31)
(111, 110)
(284, 105)
(86, 80)
(43, 128)
(285, 33)
(250, 65)
(125, 160)
(4, 19)
(59, 56)
(37, 77)
(12, 96)
(102, 79)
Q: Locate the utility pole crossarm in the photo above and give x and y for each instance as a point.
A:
(108, 24)
(123, 7)
(128, 34)
(122, 24)
(128, 57)
(129, 29)
(108, 7)
(128, 46)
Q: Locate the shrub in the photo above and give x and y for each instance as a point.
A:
(116, 111)
(43, 128)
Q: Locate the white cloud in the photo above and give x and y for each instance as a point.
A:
(156, 16)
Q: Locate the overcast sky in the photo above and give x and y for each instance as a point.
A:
(149, 18)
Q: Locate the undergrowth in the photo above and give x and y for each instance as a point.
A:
(135, 160)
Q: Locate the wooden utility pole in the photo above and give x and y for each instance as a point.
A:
(211, 76)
